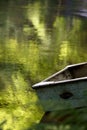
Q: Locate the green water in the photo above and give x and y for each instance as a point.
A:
(35, 42)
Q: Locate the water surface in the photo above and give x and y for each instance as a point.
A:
(37, 39)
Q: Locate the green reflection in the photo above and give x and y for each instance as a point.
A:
(17, 101)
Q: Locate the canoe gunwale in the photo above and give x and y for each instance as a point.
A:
(47, 82)
(53, 83)
(66, 68)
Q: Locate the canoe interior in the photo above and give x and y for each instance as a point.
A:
(70, 72)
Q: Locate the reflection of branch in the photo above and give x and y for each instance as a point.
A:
(11, 66)
(2, 123)
(59, 6)
(16, 67)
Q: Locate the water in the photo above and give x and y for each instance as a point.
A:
(37, 38)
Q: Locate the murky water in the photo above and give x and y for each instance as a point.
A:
(37, 38)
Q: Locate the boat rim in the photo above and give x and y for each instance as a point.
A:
(51, 83)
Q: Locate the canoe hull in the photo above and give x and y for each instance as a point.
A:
(65, 89)
(63, 95)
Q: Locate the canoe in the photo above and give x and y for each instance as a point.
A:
(65, 89)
